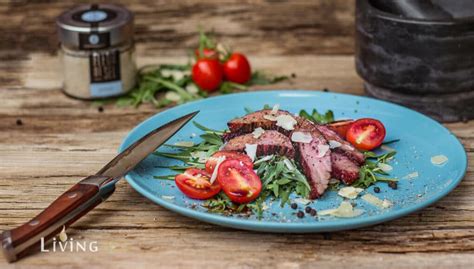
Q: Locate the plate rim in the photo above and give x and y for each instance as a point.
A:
(264, 226)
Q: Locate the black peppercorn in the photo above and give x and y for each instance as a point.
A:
(294, 206)
(19, 122)
(325, 90)
(393, 185)
(300, 214)
(100, 109)
(376, 189)
(293, 75)
(307, 209)
(313, 212)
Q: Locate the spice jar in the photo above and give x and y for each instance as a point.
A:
(97, 51)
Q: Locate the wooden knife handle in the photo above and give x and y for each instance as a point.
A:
(64, 211)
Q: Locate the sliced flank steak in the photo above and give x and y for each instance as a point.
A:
(343, 162)
(249, 122)
(314, 159)
(346, 148)
(269, 143)
(344, 168)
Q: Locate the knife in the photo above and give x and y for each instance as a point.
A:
(85, 195)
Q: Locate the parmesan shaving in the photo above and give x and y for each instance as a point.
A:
(258, 132)
(322, 150)
(350, 192)
(184, 143)
(385, 167)
(289, 165)
(301, 137)
(270, 117)
(345, 210)
(251, 150)
(411, 175)
(302, 201)
(264, 159)
(334, 144)
(439, 159)
(167, 197)
(220, 159)
(201, 156)
(374, 200)
(286, 122)
(275, 109)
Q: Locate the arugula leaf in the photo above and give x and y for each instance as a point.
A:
(370, 173)
(318, 118)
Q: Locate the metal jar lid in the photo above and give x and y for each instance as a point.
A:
(95, 26)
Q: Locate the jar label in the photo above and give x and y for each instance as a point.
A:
(105, 74)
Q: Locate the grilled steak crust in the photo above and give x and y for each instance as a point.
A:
(317, 169)
(249, 122)
(344, 168)
(270, 142)
(346, 148)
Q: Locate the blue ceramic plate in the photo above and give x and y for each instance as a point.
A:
(420, 139)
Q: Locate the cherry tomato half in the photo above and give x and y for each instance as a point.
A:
(341, 127)
(366, 134)
(229, 155)
(206, 54)
(237, 68)
(195, 183)
(207, 74)
(238, 181)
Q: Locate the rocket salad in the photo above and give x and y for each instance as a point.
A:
(272, 154)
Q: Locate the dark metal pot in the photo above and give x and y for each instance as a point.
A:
(427, 65)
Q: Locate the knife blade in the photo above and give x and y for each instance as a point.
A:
(85, 195)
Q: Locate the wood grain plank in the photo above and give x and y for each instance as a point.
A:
(62, 140)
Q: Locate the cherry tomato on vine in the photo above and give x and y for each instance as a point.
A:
(195, 183)
(206, 54)
(239, 182)
(237, 68)
(366, 134)
(229, 155)
(207, 74)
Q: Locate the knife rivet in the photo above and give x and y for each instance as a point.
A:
(34, 222)
(72, 195)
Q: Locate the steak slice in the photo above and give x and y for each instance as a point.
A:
(315, 165)
(270, 142)
(344, 168)
(346, 148)
(249, 122)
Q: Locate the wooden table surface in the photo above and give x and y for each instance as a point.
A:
(62, 140)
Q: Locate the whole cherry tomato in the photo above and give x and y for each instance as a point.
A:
(207, 74)
(237, 68)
